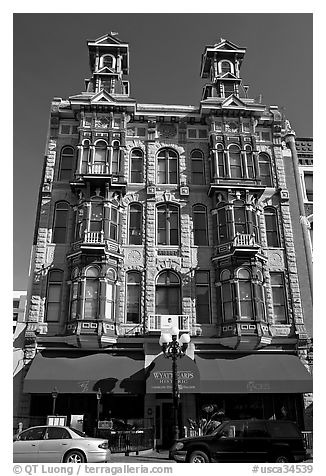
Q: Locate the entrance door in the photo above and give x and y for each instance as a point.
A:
(167, 425)
(164, 422)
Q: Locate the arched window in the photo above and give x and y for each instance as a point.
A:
(227, 297)
(135, 224)
(197, 168)
(265, 170)
(167, 224)
(245, 293)
(235, 161)
(168, 293)
(100, 156)
(271, 225)
(115, 163)
(200, 225)
(202, 297)
(60, 222)
(108, 61)
(240, 221)
(66, 164)
(136, 166)
(54, 293)
(85, 156)
(167, 166)
(250, 162)
(133, 297)
(91, 293)
(225, 67)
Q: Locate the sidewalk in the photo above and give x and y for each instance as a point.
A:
(148, 456)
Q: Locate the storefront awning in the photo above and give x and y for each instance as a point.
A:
(255, 373)
(74, 372)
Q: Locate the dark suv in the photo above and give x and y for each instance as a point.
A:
(243, 441)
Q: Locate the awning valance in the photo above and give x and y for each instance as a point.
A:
(74, 372)
(255, 373)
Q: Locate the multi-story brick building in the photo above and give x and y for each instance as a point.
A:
(151, 211)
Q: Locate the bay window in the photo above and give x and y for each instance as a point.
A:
(168, 293)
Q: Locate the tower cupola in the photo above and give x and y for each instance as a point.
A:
(221, 63)
(109, 64)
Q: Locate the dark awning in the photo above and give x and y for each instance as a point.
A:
(74, 372)
(255, 373)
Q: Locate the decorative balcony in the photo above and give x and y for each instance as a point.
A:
(98, 169)
(94, 240)
(242, 243)
(163, 322)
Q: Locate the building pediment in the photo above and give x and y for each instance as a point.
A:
(232, 101)
(108, 39)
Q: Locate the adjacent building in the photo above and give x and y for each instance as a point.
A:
(152, 214)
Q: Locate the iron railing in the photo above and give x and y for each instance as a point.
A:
(126, 441)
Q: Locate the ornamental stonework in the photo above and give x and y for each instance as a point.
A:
(167, 131)
(275, 259)
(134, 257)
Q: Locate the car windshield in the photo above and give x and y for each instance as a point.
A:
(78, 432)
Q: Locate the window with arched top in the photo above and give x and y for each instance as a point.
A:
(167, 166)
(235, 162)
(167, 224)
(100, 153)
(265, 169)
(225, 67)
(54, 295)
(199, 213)
(245, 295)
(91, 300)
(197, 167)
(168, 293)
(135, 224)
(271, 226)
(60, 222)
(133, 283)
(66, 164)
(136, 166)
(108, 61)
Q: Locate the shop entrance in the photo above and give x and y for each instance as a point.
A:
(164, 422)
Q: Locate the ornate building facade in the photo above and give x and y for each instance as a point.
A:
(154, 212)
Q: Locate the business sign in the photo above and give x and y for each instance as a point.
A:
(160, 376)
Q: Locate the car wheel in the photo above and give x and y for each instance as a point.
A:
(74, 456)
(198, 457)
(282, 459)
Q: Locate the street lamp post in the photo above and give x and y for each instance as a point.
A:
(174, 348)
(54, 398)
(98, 396)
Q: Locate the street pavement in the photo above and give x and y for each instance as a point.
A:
(150, 456)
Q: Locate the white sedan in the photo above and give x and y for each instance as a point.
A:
(59, 444)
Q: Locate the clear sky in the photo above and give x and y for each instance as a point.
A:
(50, 58)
